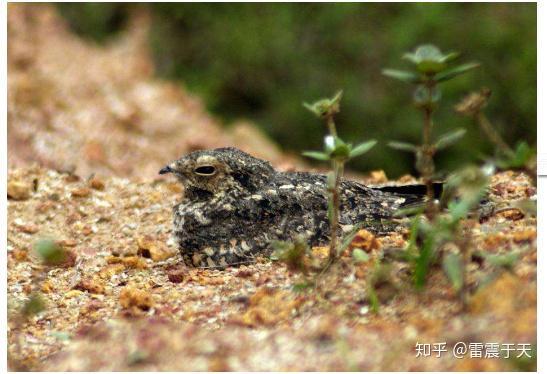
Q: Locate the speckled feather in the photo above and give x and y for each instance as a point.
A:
(232, 215)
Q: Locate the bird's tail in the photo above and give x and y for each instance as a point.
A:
(415, 194)
(413, 189)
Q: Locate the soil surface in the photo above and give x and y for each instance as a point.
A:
(88, 129)
(126, 291)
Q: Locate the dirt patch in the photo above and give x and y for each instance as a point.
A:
(156, 314)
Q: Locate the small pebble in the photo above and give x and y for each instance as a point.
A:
(19, 190)
(80, 192)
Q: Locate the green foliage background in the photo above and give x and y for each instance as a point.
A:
(261, 61)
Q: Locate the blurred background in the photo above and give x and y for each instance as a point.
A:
(260, 62)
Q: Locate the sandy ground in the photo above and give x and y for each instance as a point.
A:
(127, 293)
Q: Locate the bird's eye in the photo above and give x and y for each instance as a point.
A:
(205, 170)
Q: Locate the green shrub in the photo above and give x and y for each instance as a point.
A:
(259, 60)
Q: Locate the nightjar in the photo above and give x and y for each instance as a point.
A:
(235, 205)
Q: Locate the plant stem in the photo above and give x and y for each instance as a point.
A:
(331, 125)
(427, 149)
(497, 140)
(493, 135)
(464, 244)
(338, 169)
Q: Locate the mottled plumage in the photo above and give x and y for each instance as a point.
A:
(235, 205)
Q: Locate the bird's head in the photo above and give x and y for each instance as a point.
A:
(209, 172)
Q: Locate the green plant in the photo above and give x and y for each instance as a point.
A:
(381, 286)
(523, 157)
(337, 152)
(431, 68)
(292, 253)
(463, 192)
(282, 52)
(50, 252)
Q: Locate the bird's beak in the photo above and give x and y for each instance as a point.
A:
(166, 170)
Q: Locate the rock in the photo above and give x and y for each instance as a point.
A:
(150, 248)
(19, 190)
(47, 287)
(268, 307)
(20, 254)
(524, 236)
(96, 183)
(512, 214)
(70, 258)
(378, 176)
(365, 240)
(80, 192)
(176, 275)
(27, 228)
(90, 285)
(73, 293)
(108, 271)
(134, 262)
(68, 242)
(131, 298)
(244, 272)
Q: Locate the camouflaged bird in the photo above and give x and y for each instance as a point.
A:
(235, 205)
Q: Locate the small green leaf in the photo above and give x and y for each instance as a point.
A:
(423, 96)
(411, 57)
(337, 98)
(319, 108)
(301, 287)
(341, 151)
(506, 260)
(309, 107)
(359, 255)
(523, 153)
(316, 155)
(325, 107)
(430, 67)
(34, 305)
(402, 146)
(427, 58)
(459, 210)
(362, 148)
(405, 76)
(136, 357)
(450, 56)
(373, 299)
(411, 210)
(50, 252)
(450, 138)
(454, 72)
(453, 267)
(423, 261)
(413, 237)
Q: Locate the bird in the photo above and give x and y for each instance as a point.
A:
(236, 205)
